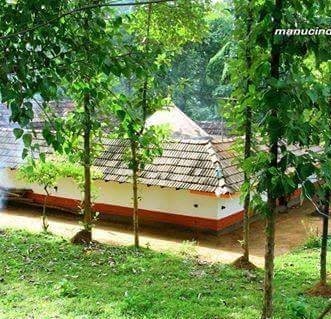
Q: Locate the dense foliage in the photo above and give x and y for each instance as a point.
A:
(199, 75)
(279, 96)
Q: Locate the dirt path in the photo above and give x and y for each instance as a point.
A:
(292, 230)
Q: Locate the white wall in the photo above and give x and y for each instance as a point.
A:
(232, 205)
(158, 199)
(8, 179)
(152, 198)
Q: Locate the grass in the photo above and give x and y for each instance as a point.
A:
(44, 276)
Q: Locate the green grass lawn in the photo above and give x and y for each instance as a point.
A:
(44, 276)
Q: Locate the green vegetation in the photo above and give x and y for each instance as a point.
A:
(160, 31)
(43, 276)
(199, 75)
(129, 62)
(278, 98)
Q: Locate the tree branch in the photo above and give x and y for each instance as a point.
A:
(77, 10)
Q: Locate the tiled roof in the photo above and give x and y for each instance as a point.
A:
(185, 164)
(59, 109)
(215, 128)
(11, 149)
(234, 177)
(200, 163)
(205, 165)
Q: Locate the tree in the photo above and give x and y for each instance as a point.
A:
(241, 113)
(198, 74)
(88, 82)
(322, 161)
(159, 32)
(279, 97)
(29, 65)
(273, 166)
(45, 174)
(324, 172)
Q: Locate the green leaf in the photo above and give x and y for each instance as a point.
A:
(27, 139)
(121, 114)
(18, 132)
(25, 153)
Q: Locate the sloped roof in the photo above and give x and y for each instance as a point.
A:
(208, 165)
(214, 128)
(59, 108)
(193, 160)
(181, 125)
(185, 164)
(234, 177)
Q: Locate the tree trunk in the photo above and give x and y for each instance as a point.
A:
(87, 169)
(246, 228)
(44, 216)
(325, 234)
(134, 144)
(248, 138)
(135, 193)
(270, 231)
(326, 211)
(248, 135)
(267, 311)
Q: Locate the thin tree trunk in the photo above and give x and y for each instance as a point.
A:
(326, 211)
(87, 169)
(267, 311)
(248, 136)
(134, 144)
(246, 227)
(135, 194)
(248, 140)
(325, 234)
(44, 216)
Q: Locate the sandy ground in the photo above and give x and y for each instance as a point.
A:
(292, 230)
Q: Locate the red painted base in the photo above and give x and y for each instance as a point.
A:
(148, 215)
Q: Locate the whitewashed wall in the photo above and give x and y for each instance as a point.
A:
(169, 200)
(229, 206)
